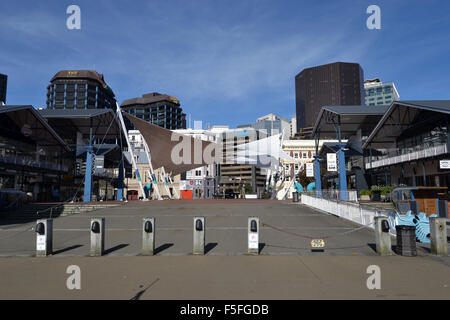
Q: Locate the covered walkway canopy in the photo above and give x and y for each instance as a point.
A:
(94, 123)
(343, 122)
(100, 130)
(31, 124)
(350, 123)
(401, 116)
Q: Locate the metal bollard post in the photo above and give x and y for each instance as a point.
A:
(44, 237)
(253, 235)
(295, 196)
(199, 235)
(438, 233)
(148, 237)
(97, 236)
(382, 236)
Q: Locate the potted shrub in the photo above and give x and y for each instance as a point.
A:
(365, 195)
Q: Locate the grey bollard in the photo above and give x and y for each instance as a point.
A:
(253, 235)
(97, 236)
(443, 208)
(44, 237)
(148, 237)
(199, 236)
(295, 196)
(438, 233)
(382, 236)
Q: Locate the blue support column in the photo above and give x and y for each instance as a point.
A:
(120, 178)
(318, 181)
(343, 194)
(88, 175)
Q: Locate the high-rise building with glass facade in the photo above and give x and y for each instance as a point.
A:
(159, 109)
(79, 89)
(379, 93)
(3, 86)
(334, 84)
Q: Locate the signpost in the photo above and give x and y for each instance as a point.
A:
(444, 164)
(310, 170)
(331, 162)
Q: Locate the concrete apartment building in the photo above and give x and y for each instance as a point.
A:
(378, 93)
(79, 89)
(159, 109)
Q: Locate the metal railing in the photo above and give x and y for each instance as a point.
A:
(335, 195)
(30, 162)
(408, 156)
(348, 210)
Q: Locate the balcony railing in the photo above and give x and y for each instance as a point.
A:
(29, 162)
(416, 155)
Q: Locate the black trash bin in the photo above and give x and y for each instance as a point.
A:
(376, 195)
(406, 241)
(295, 196)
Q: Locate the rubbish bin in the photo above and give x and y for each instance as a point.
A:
(376, 195)
(406, 241)
(295, 196)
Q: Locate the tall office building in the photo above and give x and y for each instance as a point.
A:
(271, 124)
(333, 84)
(159, 109)
(379, 93)
(79, 89)
(232, 175)
(3, 86)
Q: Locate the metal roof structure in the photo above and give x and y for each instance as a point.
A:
(399, 116)
(349, 118)
(334, 147)
(69, 121)
(30, 119)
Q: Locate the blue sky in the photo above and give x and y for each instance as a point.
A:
(228, 62)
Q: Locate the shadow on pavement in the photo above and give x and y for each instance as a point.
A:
(261, 247)
(67, 249)
(210, 246)
(140, 293)
(373, 246)
(163, 247)
(118, 247)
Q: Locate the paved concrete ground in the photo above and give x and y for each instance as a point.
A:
(228, 278)
(226, 230)
(286, 269)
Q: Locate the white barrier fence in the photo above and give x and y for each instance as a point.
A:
(350, 211)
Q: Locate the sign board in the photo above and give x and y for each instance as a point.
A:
(331, 162)
(444, 164)
(253, 241)
(310, 170)
(99, 164)
(317, 243)
(40, 243)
